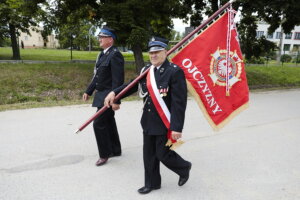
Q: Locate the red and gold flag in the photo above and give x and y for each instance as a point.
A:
(215, 71)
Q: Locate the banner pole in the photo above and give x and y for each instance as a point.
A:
(141, 76)
(199, 28)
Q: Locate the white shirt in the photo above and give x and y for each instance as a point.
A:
(157, 68)
(105, 50)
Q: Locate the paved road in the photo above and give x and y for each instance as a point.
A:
(255, 157)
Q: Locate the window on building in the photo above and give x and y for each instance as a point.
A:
(270, 36)
(296, 47)
(26, 38)
(259, 34)
(297, 36)
(286, 47)
(278, 35)
(288, 36)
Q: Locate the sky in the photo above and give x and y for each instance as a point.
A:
(179, 25)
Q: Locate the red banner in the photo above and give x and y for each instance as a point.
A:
(215, 71)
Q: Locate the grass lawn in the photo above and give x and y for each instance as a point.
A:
(58, 54)
(29, 84)
(272, 76)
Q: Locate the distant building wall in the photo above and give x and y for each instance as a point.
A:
(290, 42)
(35, 40)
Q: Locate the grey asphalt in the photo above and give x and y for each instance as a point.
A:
(255, 157)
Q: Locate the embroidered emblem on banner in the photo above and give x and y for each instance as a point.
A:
(218, 67)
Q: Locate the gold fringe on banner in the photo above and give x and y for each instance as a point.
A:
(206, 115)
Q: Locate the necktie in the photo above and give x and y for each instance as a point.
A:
(102, 53)
(156, 72)
(99, 57)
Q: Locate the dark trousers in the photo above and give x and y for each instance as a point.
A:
(106, 133)
(154, 152)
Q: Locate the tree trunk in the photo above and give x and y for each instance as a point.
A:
(14, 43)
(214, 5)
(138, 56)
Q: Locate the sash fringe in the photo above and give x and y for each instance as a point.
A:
(175, 145)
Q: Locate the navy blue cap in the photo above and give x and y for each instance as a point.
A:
(157, 44)
(107, 32)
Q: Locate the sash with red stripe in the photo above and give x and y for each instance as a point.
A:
(159, 103)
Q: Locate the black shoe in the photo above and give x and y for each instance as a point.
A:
(101, 161)
(146, 190)
(184, 179)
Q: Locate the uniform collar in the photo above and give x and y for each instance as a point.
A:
(105, 50)
(165, 63)
(158, 67)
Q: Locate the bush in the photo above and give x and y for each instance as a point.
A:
(272, 55)
(285, 58)
(5, 42)
(296, 59)
(254, 60)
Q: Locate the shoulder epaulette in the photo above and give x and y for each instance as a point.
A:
(145, 67)
(173, 65)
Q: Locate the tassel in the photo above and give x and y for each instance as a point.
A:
(169, 143)
(178, 143)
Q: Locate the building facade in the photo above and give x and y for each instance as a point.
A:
(35, 40)
(290, 43)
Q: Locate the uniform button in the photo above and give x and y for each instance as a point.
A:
(148, 102)
(97, 76)
(149, 110)
(96, 83)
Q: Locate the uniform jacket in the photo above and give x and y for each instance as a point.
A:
(108, 75)
(169, 77)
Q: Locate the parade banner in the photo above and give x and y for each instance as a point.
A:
(215, 71)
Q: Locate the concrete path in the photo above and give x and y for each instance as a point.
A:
(255, 157)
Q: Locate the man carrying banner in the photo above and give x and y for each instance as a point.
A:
(164, 93)
(108, 74)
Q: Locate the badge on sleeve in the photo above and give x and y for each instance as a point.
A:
(163, 92)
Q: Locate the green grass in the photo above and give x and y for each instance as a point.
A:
(58, 54)
(31, 84)
(272, 76)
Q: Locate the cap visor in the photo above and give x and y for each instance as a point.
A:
(157, 48)
(103, 35)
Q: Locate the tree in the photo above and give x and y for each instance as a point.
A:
(79, 31)
(247, 33)
(266, 47)
(175, 36)
(19, 15)
(134, 21)
(276, 13)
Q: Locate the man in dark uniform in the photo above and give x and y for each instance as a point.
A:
(171, 85)
(108, 75)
